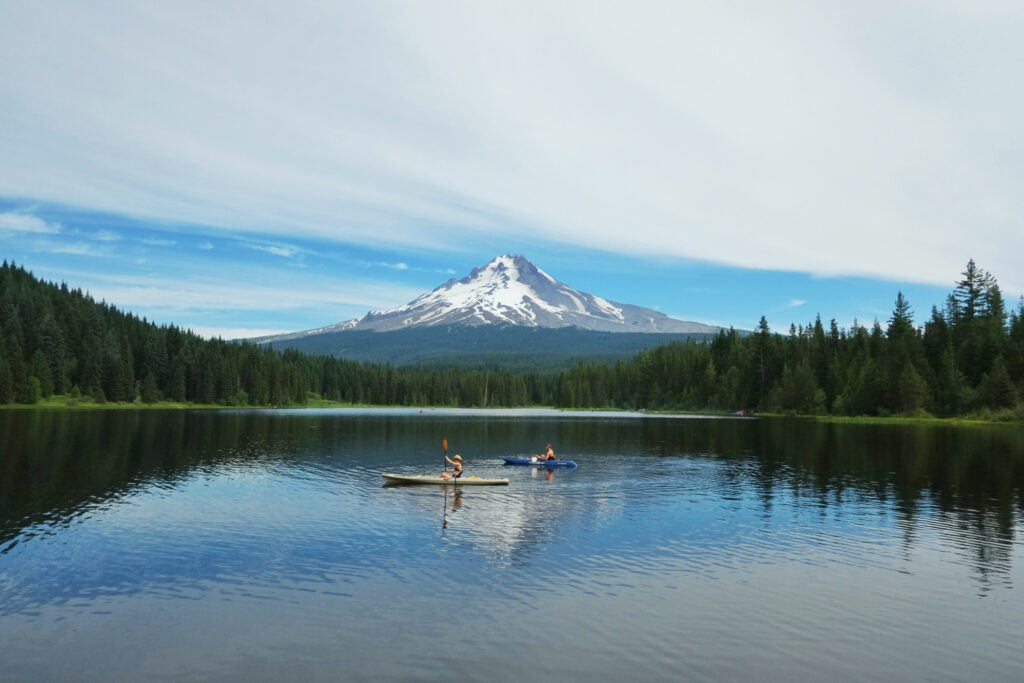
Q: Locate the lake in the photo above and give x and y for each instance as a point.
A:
(262, 545)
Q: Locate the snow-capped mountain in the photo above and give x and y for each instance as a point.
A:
(510, 290)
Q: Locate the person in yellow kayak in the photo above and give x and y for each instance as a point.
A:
(456, 471)
(548, 455)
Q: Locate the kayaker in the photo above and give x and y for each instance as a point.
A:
(456, 462)
(549, 455)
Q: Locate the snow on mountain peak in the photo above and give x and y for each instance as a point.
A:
(510, 290)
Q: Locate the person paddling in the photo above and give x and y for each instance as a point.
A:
(456, 472)
(549, 455)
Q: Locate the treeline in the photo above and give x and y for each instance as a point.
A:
(966, 358)
(56, 340)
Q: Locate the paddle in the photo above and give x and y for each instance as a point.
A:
(444, 516)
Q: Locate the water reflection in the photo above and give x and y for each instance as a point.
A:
(710, 542)
(962, 486)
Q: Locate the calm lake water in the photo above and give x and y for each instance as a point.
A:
(216, 546)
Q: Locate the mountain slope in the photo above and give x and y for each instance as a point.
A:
(481, 347)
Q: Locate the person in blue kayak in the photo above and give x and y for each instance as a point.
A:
(548, 455)
(456, 471)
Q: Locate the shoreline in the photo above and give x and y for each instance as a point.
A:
(58, 403)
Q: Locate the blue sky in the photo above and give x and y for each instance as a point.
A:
(247, 168)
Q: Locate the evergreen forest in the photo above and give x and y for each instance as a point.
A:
(966, 359)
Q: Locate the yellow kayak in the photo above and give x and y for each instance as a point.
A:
(434, 479)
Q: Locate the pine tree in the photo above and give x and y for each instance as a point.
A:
(33, 391)
(971, 292)
(936, 339)
(997, 390)
(566, 395)
(177, 389)
(708, 383)
(16, 368)
(149, 392)
(6, 381)
(762, 351)
(797, 391)
(1015, 347)
(821, 360)
(50, 340)
(912, 391)
(972, 298)
(950, 385)
(40, 369)
(901, 324)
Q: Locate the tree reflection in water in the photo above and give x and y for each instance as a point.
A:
(964, 484)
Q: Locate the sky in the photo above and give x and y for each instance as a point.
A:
(245, 168)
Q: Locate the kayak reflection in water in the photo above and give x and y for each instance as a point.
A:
(456, 471)
(549, 455)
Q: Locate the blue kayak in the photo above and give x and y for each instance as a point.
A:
(512, 460)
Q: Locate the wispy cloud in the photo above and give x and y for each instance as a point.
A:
(106, 236)
(235, 332)
(177, 295)
(285, 252)
(156, 242)
(205, 246)
(23, 222)
(74, 248)
(795, 303)
(755, 142)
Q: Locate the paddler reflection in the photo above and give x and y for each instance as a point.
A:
(549, 473)
(456, 504)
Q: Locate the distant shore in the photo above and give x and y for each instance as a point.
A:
(60, 402)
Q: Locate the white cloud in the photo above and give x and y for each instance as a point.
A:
(794, 303)
(155, 242)
(205, 246)
(285, 252)
(106, 236)
(821, 137)
(23, 222)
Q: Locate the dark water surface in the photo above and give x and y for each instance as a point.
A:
(249, 546)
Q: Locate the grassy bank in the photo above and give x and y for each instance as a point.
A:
(1006, 416)
(62, 402)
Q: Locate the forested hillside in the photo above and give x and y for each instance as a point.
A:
(967, 358)
(509, 347)
(55, 340)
